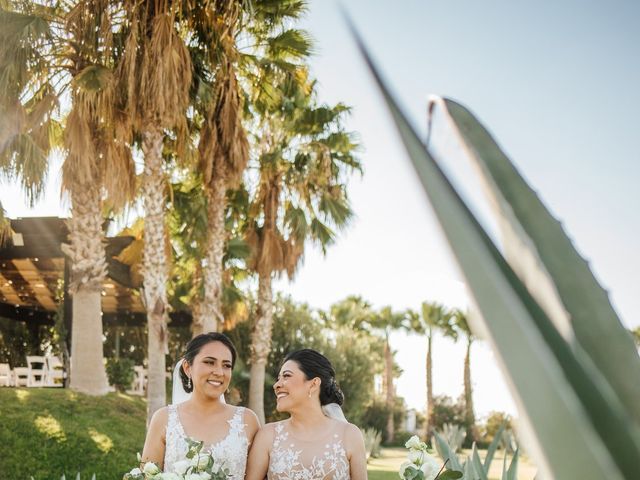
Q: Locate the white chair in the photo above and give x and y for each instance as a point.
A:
(37, 371)
(21, 376)
(6, 376)
(54, 372)
(139, 384)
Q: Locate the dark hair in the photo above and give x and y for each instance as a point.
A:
(314, 364)
(194, 347)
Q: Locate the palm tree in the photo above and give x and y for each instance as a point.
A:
(155, 74)
(304, 156)
(433, 317)
(98, 162)
(461, 324)
(74, 53)
(387, 321)
(28, 99)
(221, 67)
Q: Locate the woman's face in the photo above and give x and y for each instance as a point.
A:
(292, 389)
(211, 370)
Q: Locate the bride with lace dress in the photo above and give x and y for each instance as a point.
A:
(226, 430)
(315, 442)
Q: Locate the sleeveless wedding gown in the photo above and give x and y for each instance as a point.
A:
(230, 452)
(296, 459)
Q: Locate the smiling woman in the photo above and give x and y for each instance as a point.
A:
(311, 444)
(225, 430)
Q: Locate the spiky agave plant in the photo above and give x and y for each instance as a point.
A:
(560, 347)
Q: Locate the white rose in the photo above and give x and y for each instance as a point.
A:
(200, 461)
(135, 471)
(215, 468)
(197, 476)
(430, 467)
(416, 456)
(181, 467)
(150, 468)
(404, 467)
(413, 443)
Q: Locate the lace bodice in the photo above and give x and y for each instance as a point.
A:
(292, 459)
(231, 451)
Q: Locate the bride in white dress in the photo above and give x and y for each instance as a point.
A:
(226, 431)
(315, 442)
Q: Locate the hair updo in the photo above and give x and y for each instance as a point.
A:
(314, 364)
(194, 347)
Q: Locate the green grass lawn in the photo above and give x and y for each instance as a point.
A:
(47, 432)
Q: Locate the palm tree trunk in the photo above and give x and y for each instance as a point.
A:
(211, 307)
(388, 363)
(88, 271)
(429, 420)
(261, 345)
(155, 266)
(468, 392)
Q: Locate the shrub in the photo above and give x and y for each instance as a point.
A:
(120, 373)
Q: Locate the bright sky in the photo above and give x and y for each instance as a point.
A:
(556, 83)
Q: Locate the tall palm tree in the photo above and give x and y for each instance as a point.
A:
(236, 41)
(304, 157)
(155, 74)
(433, 317)
(72, 51)
(386, 321)
(98, 164)
(462, 325)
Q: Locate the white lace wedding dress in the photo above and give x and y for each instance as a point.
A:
(231, 451)
(296, 459)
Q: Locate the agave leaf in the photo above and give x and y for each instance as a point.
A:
(566, 414)
(478, 467)
(512, 473)
(445, 452)
(491, 451)
(544, 258)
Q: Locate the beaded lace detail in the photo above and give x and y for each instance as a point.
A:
(290, 462)
(231, 451)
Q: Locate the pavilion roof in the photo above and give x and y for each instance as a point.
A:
(32, 269)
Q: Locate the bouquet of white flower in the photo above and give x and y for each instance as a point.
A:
(197, 466)
(421, 465)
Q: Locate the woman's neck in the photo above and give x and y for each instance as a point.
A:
(307, 418)
(204, 403)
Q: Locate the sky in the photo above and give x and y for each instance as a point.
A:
(555, 83)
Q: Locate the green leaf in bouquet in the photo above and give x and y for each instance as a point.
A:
(567, 412)
(413, 473)
(449, 475)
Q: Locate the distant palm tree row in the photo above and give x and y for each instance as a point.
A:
(201, 113)
(358, 314)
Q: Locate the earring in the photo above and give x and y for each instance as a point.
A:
(189, 385)
(309, 393)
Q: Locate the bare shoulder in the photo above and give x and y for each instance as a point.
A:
(353, 437)
(250, 417)
(159, 418)
(351, 431)
(268, 432)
